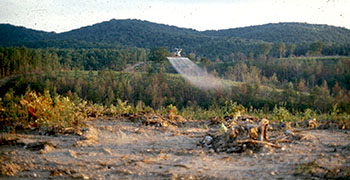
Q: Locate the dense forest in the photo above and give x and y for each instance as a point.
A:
(95, 75)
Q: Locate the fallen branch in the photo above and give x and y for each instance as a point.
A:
(181, 165)
(258, 142)
(284, 140)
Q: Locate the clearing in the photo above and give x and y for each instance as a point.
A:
(117, 148)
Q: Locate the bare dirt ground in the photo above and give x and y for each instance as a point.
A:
(111, 148)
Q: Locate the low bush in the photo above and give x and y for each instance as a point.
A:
(33, 110)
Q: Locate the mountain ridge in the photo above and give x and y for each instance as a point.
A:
(287, 32)
(304, 31)
(11, 33)
(146, 34)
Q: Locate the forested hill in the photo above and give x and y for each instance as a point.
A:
(126, 27)
(148, 34)
(10, 34)
(288, 33)
(211, 44)
(137, 33)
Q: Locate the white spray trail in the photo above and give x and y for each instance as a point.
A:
(193, 73)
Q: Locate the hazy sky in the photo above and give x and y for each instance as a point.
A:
(65, 15)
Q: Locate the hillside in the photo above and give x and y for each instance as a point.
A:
(145, 34)
(10, 34)
(287, 33)
(135, 33)
(148, 34)
(130, 27)
(131, 33)
(211, 44)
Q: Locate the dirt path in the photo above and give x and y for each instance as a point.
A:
(117, 149)
(6, 79)
(131, 68)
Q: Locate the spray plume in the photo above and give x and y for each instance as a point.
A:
(194, 74)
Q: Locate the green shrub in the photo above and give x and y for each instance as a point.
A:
(281, 114)
(233, 109)
(34, 110)
(142, 107)
(308, 114)
(120, 108)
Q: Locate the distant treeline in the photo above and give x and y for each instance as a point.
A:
(14, 60)
(24, 60)
(216, 49)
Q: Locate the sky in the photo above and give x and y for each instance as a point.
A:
(65, 15)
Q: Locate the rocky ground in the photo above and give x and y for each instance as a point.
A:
(119, 148)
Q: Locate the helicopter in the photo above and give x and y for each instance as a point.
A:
(178, 52)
